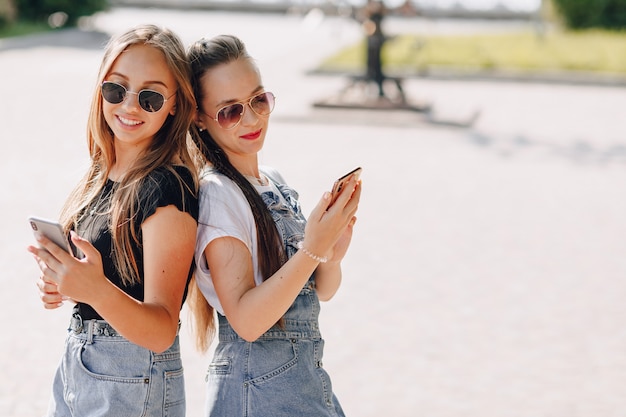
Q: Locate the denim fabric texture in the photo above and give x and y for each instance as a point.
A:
(103, 374)
(280, 374)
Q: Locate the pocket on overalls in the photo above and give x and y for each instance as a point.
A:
(271, 358)
(174, 394)
(115, 374)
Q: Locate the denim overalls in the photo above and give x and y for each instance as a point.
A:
(280, 374)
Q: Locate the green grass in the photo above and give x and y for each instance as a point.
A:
(23, 28)
(524, 52)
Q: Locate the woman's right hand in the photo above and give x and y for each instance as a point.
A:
(327, 224)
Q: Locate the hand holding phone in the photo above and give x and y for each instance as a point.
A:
(52, 230)
(341, 182)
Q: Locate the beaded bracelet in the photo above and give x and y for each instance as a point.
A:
(321, 259)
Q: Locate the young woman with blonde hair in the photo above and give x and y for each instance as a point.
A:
(132, 222)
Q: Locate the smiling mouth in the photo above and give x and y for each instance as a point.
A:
(128, 122)
(252, 135)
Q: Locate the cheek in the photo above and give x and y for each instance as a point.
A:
(159, 120)
(107, 112)
(266, 123)
(220, 136)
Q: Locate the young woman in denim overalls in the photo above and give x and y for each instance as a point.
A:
(259, 264)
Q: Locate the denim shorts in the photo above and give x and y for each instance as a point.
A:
(103, 374)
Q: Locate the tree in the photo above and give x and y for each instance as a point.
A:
(40, 10)
(584, 14)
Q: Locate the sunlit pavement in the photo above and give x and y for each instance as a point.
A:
(486, 275)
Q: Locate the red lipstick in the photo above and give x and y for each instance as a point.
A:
(252, 136)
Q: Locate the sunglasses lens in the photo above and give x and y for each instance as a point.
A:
(263, 104)
(113, 93)
(229, 116)
(151, 101)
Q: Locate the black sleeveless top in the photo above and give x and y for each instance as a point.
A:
(159, 189)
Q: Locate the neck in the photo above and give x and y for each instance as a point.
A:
(126, 155)
(257, 180)
(248, 166)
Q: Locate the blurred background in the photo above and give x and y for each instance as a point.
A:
(487, 272)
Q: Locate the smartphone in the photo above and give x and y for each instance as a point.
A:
(341, 181)
(51, 229)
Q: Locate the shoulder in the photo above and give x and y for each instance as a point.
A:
(223, 205)
(214, 183)
(220, 193)
(165, 186)
(174, 176)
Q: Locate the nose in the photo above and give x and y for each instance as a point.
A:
(132, 103)
(248, 117)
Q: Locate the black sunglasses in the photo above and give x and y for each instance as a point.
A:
(149, 100)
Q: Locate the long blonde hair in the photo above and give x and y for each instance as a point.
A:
(171, 146)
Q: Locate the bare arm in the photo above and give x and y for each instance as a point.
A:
(251, 309)
(327, 280)
(169, 239)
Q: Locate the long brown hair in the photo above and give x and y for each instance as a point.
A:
(171, 146)
(204, 55)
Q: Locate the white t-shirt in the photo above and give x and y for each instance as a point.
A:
(224, 211)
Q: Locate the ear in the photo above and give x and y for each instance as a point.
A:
(198, 121)
(173, 110)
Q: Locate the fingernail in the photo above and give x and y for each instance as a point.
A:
(326, 195)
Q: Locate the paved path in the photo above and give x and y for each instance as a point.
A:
(486, 277)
